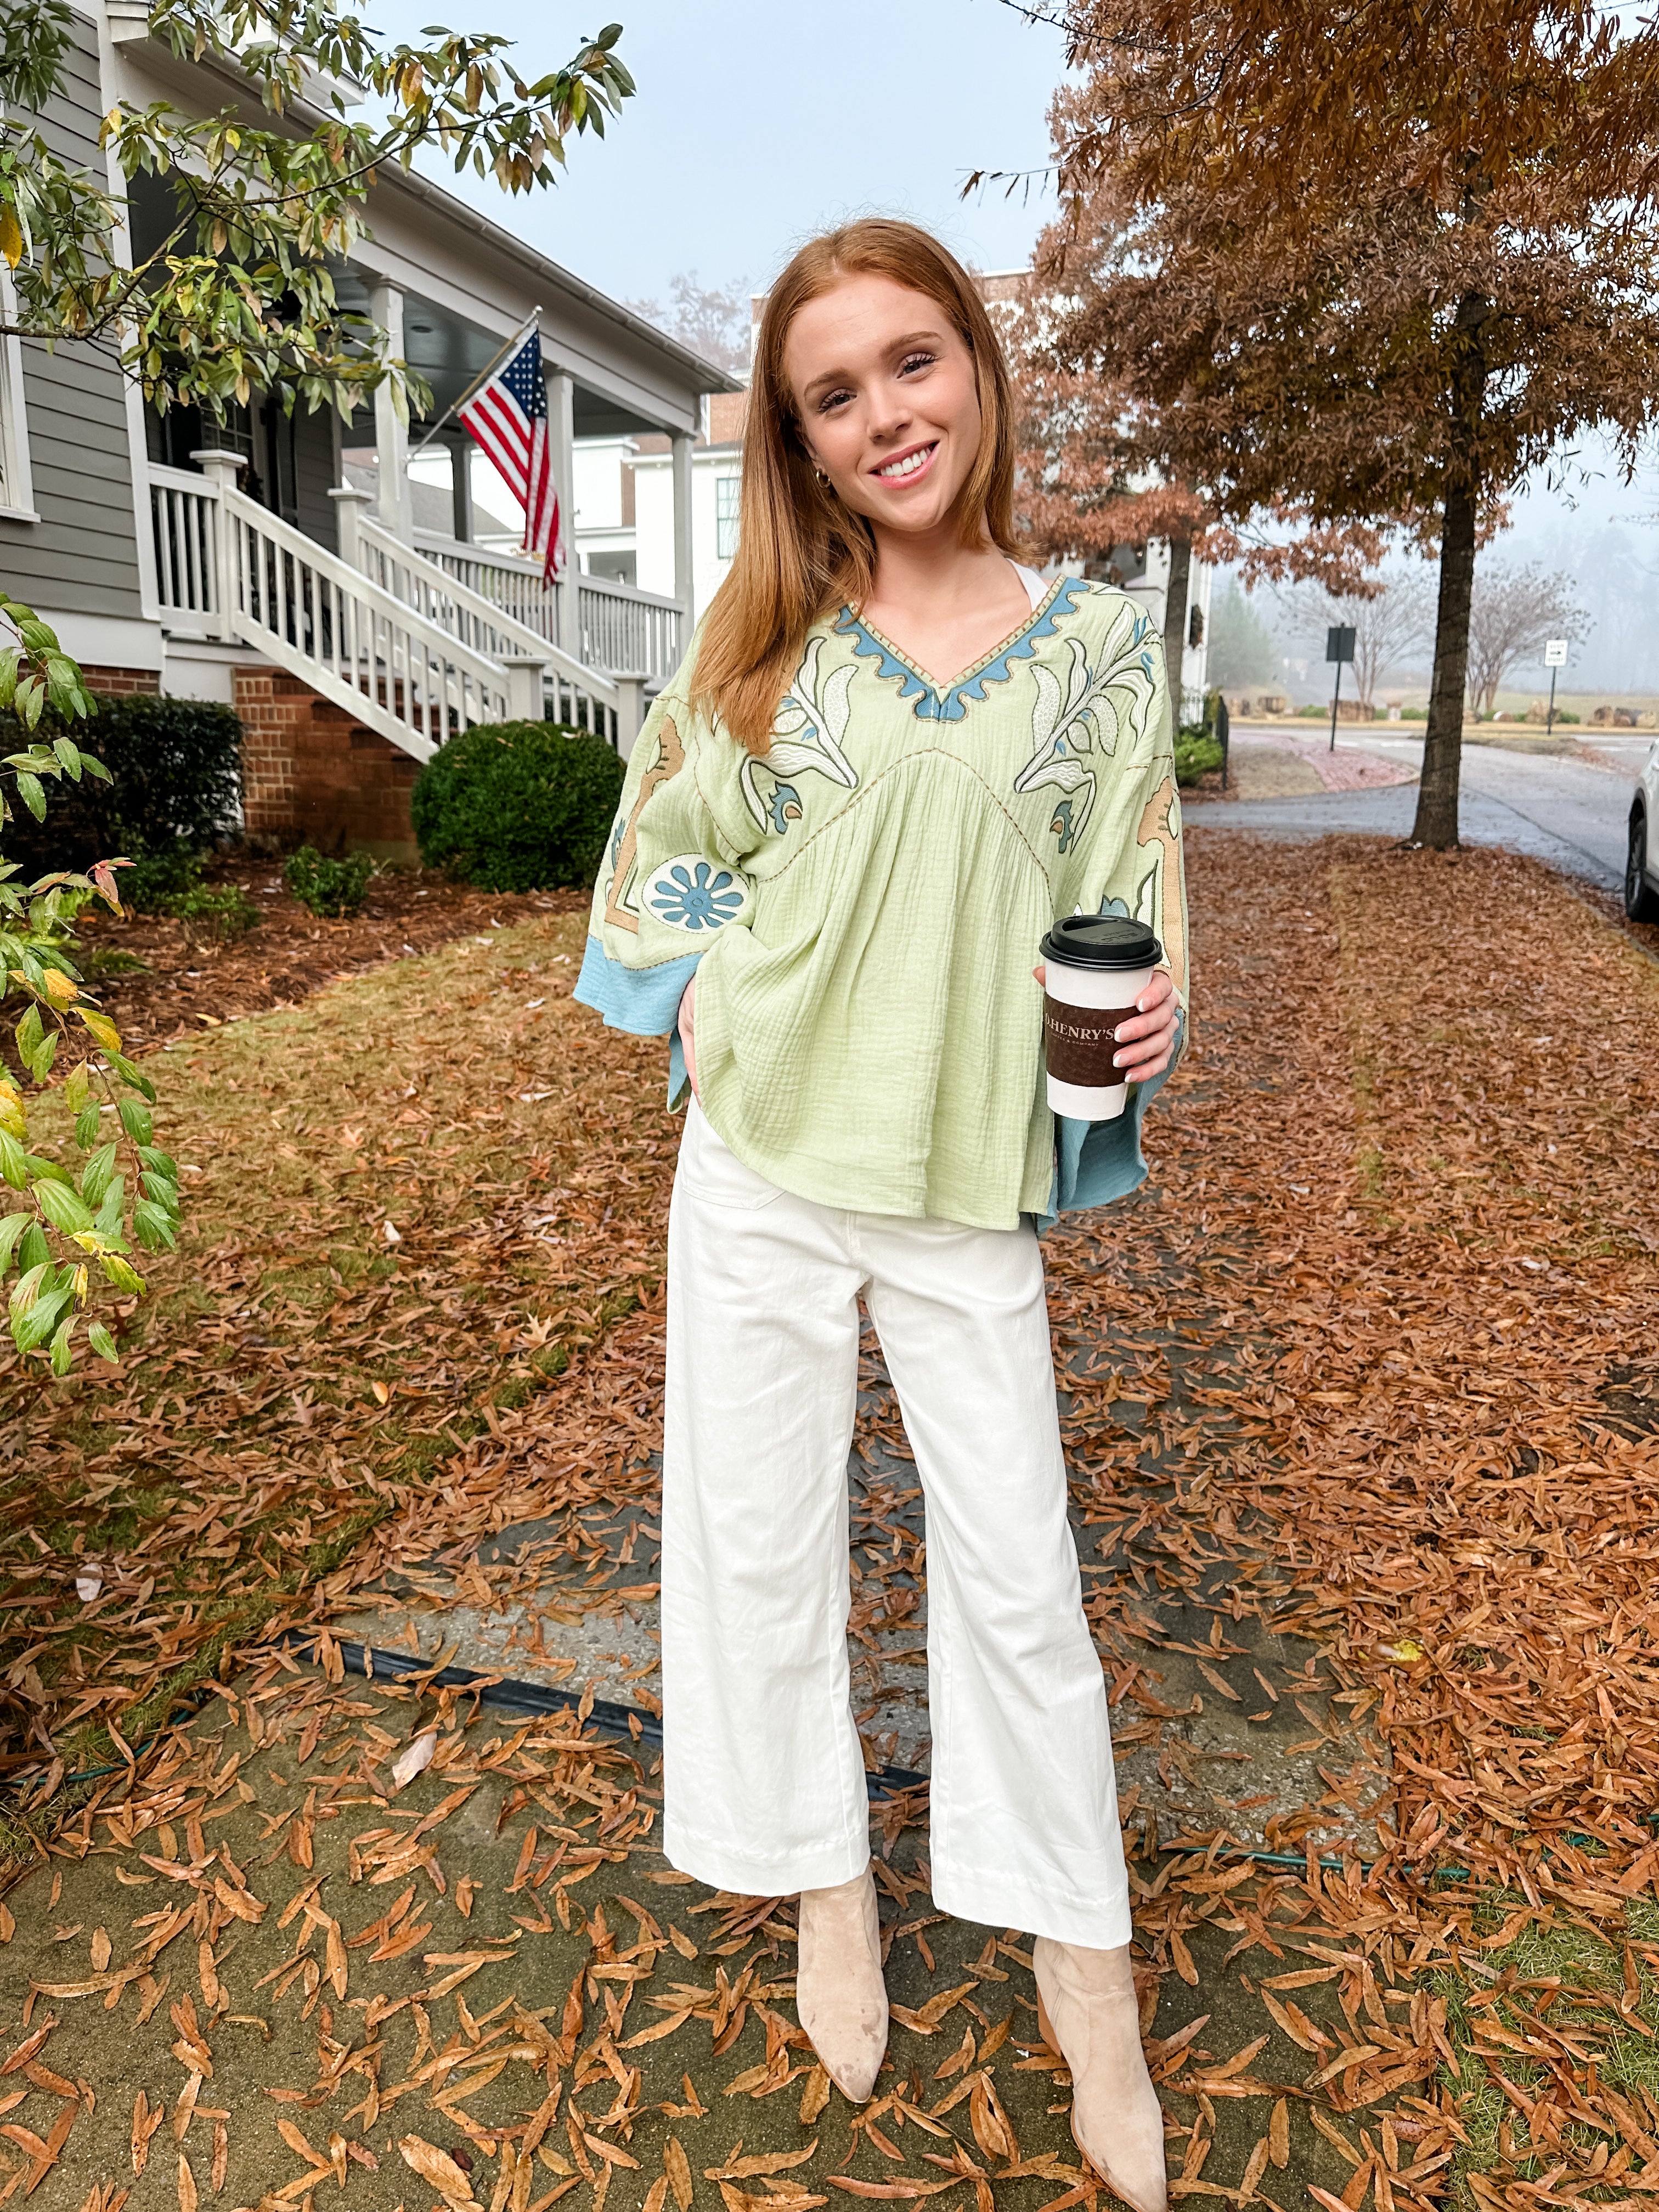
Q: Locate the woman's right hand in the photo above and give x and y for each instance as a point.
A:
(688, 1028)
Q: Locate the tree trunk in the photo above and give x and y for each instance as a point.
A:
(1442, 742)
(1174, 620)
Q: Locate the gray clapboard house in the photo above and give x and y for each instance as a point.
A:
(290, 566)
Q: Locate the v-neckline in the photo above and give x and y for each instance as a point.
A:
(932, 684)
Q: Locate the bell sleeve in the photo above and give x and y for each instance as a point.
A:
(667, 887)
(1127, 860)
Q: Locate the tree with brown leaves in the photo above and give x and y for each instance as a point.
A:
(1372, 269)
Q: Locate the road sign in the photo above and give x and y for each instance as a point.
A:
(1555, 653)
(1340, 642)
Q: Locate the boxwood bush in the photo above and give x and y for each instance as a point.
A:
(176, 771)
(518, 807)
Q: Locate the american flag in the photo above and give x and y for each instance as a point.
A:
(508, 418)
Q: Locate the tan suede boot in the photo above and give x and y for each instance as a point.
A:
(840, 1994)
(1088, 2015)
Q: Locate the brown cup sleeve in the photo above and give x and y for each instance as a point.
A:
(1079, 1042)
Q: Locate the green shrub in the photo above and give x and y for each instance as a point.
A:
(519, 806)
(156, 879)
(330, 888)
(1194, 756)
(214, 912)
(175, 771)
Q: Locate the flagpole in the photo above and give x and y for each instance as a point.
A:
(484, 375)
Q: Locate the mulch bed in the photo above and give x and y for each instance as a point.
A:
(187, 984)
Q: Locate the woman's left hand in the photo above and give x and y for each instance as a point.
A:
(1146, 1042)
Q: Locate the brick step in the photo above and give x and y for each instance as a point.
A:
(312, 770)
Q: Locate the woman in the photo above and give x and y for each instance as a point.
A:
(833, 865)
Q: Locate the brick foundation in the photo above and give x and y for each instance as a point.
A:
(312, 774)
(123, 683)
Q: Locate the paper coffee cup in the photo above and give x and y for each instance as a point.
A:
(1098, 964)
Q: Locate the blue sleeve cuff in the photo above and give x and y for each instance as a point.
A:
(1096, 1162)
(642, 1000)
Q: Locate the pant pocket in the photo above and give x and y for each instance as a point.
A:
(711, 1171)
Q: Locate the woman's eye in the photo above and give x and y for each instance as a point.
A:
(833, 399)
(915, 361)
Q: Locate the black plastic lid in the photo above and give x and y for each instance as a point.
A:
(1102, 940)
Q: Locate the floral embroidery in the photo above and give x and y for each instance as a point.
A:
(696, 895)
(806, 739)
(621, 910)
(1066, 724)
(932, 705)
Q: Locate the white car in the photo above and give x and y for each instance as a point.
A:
(1642, 868)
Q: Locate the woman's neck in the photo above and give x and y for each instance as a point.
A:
(934, 572)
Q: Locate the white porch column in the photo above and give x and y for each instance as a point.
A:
(526, 700)
(348, 504)
(460, 463)
(630, 711)
(394, 508)
(221, 471)
(682, 443)
(562, 430)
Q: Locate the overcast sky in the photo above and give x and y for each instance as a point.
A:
(754, 126)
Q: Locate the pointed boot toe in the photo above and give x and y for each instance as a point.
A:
(840, 1994)
(1089, 2016)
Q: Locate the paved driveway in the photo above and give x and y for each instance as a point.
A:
(1565, 812)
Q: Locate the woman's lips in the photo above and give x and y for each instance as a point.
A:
(914, 465)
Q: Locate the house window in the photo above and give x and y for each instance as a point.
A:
(725, 517)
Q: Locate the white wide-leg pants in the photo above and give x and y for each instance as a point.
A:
(765, 1789)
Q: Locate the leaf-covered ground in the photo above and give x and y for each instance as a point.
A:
(1368, 1364)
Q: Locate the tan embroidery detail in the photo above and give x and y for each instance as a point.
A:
(1155, 830)
(670, 759)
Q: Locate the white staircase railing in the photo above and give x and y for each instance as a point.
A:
(618, 630)
(184, 510)
(618, 627)
(411, 652)
(578, 695)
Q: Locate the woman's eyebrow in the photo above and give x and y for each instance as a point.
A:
(845, 376)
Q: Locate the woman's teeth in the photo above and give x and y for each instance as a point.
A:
(909, 466)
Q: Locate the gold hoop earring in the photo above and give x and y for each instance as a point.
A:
(821, 476)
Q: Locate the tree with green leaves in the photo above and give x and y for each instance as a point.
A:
(238, 299)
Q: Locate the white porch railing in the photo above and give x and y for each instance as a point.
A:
(578, 695)
(412, 652)
(349, 638)
(619, 628)
(184, 513)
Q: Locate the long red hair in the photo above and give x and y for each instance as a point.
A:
(800, 552)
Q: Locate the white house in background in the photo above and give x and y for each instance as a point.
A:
(626, 490)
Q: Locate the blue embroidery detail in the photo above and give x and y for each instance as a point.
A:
(950, 705)
(784, 806)
(1063, 826)
(696, 896)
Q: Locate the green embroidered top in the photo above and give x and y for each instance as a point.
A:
(864, 906)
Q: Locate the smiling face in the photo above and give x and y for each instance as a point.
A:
(885, 395)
